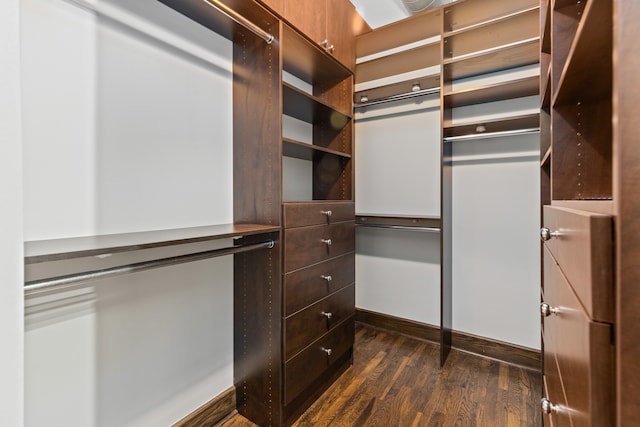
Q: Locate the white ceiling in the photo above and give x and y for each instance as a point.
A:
(380, 12)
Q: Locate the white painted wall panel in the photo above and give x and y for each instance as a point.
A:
(11, 310)
(496, 272)
(128, 130)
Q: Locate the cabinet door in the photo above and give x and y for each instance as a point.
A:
(308, 16)
(341, 15)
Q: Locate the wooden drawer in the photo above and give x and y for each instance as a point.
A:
(306, 286)
(309, 245)
(307, 325)
(554, 392)
(308, 365)
(582, 350)
(583, 249)
(316, 213)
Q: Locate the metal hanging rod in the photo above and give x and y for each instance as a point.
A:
(402, 227)
(76, 279)
(236, 17)
(491, 135)
(399, 97)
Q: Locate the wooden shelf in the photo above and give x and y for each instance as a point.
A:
(503, 124)
(519, 54)
(492, 22)
(380, 92)
(418, 27)
(546, 158)
(302, 58)
(471, 14)
(527, 86)
(501, 31)
(545, 27)
(306, 107)
(545, 89)
(77, 247)
(587, 72)
(397, 220)
(402, 62)
(304, 151)
(565, 21)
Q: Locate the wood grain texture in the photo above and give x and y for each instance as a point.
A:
(212, 412)
(341, 32)
(470, 13)
(300, 214)
(396, 381)
(304, 245)
(626, 189)
(505, 352)
(308, 16)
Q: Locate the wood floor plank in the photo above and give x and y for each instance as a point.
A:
(397, 381)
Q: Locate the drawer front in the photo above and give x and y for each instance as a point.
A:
(307, 325)
(305, 214)
(309, 245)
(582, 350)
(555, 394)
(308, 365)
(306, 286)
(583, 248)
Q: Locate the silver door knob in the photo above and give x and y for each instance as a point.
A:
(326, 242)
(546, 310)
(327, 278)
(327, 314)
(546, 234)
(548, 407)
(330, 48)
(327, 213)
(327, 350)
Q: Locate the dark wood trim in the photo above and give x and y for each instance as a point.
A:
(214, 411)
(481, 346)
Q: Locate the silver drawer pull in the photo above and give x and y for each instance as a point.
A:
(548, 407)
(327, 278)
(327, 314)
(327, 350)
(326, 242)
(546, 234)
(327, 213)
(546, 310)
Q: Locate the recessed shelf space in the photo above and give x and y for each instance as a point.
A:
(582, 153)
(587, 72)
(491, 126)
(528, 86)
(545, 26)
(545, 89)
(503, 31)
(518, 54)
(565, 21)
(468, 14)
(304, 151)
(405, 61)
(308, 108)
(77, 247)
(394, 222)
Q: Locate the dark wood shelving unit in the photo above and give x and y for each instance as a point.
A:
(457, 17)
(431, 81)
(503, 124)
(77, 247)
(308, 108)
(517, 54)
(528, 86)
(304, 151)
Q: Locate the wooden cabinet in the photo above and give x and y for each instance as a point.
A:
(329, 23)
(318, 298)
(276, 5)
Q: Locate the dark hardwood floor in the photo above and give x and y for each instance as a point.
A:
(396, 381)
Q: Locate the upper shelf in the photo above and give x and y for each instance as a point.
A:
(587, 72)
(310, 109)
(395, 89)
(513, 55)
(462, 15)
(416, 58)
(308, 61)
(77, 247)
(527, 86)
(502, 124)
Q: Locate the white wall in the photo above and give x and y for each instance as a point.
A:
(127, 127)
(11, 326)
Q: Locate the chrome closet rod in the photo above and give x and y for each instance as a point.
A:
(402, 227)
(399, 97)
(236, 17)
(491, 135)
(76, 279)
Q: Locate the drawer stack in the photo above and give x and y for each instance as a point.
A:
(578, 314)
(318, 297)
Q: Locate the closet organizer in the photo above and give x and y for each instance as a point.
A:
(481, 58)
